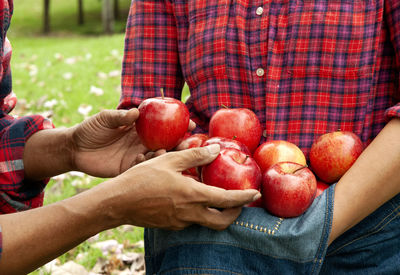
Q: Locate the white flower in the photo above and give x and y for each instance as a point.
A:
(102, 75)
(115, 73)
(67, 75)
(50, 103)
(33, 70)
(115, 53)
(58, 56)
(70, 60)
(95, 90)
(85, 109)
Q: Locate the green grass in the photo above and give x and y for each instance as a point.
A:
(54, 74)
(28, 14)
(48, 68)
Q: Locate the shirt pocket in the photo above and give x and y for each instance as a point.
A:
(332, 38)
(205, 57)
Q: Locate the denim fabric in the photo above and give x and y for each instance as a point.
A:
(371, 247)
(256, 243)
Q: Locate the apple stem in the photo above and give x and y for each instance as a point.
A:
(247, 157)
(234, 137)
(224, 106)
(162, 93)
(298, 169)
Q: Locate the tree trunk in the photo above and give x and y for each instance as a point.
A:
(81, 18)
(108, 16)
(116, 9)
(46, 16)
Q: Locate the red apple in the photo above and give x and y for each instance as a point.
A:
(257, 203)
(332, 154)
(232, 170)
(162, 122)
(192, 141)
(240, 124)
(274, 151)
(227, 143)
(321, 187)
(288, 189)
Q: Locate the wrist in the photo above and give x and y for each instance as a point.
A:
(103, 201)
(48, 153)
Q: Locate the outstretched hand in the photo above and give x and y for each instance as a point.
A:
(156, 194)
(106, 144)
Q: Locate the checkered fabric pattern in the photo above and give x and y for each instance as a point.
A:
(305, 67)
(16, 193)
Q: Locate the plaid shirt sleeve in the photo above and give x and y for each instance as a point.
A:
(392, 9)
(151, 58)
(16, 192)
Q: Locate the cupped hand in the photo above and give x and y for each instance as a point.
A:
(155, 194)
(107, 144)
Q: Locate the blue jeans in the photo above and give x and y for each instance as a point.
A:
(259, 243)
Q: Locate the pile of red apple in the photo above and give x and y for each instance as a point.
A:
(277, 168)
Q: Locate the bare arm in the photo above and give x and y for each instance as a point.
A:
(48, 153)
(370, 182)
(151, 194)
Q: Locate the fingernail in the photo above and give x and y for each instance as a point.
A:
(257, 196)
(213, 149)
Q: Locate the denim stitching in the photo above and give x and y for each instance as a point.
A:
(327, 227)
(260, 228)
(196, 268)
(396, 214)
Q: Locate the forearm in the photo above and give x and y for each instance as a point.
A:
(40, 235)
(48, 153)
(370, 182)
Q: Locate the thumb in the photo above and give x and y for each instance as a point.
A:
(117, 118)
(189, 158)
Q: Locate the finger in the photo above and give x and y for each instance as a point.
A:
(182, 146)
(219, 220)
(140, 158)
(189, 158)
(192, 125)
(160, 152)
(149, 155)
(221, 198)
(117, 118)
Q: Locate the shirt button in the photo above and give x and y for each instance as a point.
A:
(260, 72)
(259, 10)
(264, 133)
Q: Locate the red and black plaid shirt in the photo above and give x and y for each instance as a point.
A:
(16, 193)
(305, 67)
